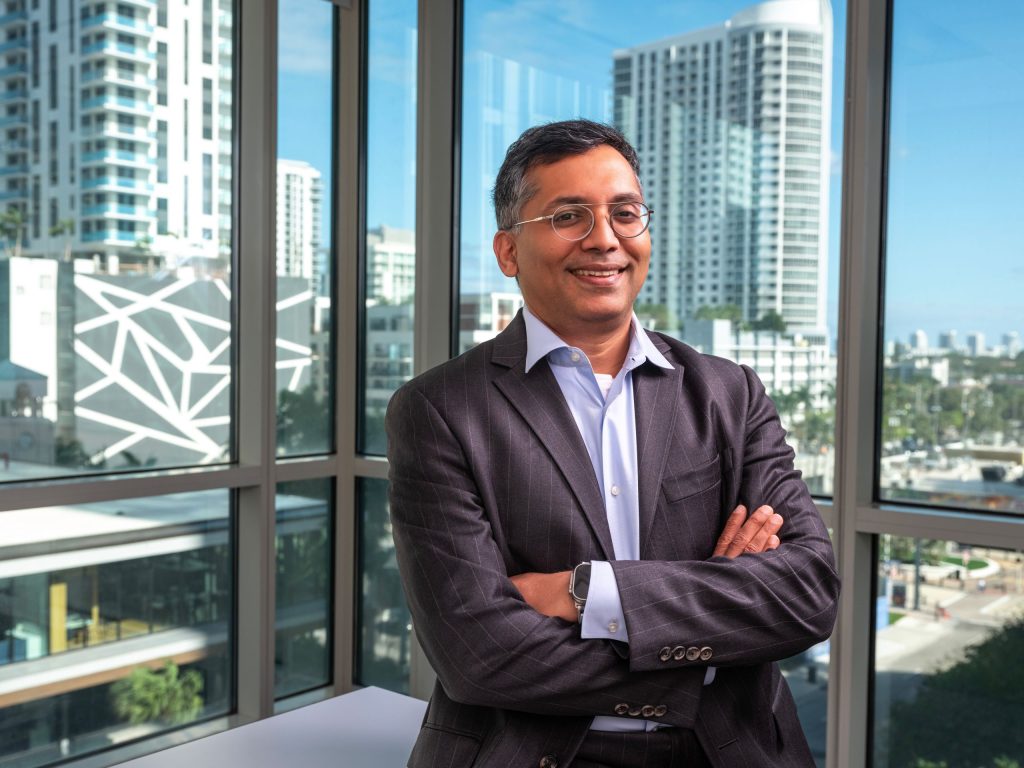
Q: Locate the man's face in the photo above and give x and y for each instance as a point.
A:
(587, 286)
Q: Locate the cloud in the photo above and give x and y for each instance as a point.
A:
(305, 37)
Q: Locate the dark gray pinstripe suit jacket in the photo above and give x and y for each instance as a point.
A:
(490, 478)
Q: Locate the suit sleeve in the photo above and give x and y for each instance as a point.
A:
(753, 608)
(486, 644)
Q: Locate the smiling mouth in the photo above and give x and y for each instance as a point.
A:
(597, 272)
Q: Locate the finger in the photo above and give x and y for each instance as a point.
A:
(773, 543)
(760, 539)
(741, 541)
(732, 525)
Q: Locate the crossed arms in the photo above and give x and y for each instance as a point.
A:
(462, 569)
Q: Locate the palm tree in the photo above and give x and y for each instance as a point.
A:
(12, 226)
(64, 227)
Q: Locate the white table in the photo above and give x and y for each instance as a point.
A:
(368, 728)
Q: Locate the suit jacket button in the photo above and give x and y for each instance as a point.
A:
(705, 653)
(634, 712)
(692, 653)
(665, 653)
(549, 761)
(660, 710)
(621, 709)
(678, 653)
(647, 710)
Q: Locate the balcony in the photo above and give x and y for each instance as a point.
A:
(117, 131)
(13, 194)
(117, 77)
(13, 16)
(112, 237)
(117, 104)
(17, 44)
(119, 210)
(116, 21)
(8, 121)
(118, 184)
(13, 95)
(116, 157)
(14, 70)
(122, 50)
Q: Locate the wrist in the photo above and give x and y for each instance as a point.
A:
(579, 588)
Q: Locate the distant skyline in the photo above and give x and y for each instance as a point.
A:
(954, 261)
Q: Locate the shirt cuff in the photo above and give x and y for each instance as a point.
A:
(602, 617)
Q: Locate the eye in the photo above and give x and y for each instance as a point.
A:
(627, 213)
(567, 216)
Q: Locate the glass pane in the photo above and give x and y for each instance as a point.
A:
(949, 636)
(125, 609)
(115, 223)
(303, 640)
(391, 213)
(384, 625)
(305, 270)
(953, 402)
(736, 113)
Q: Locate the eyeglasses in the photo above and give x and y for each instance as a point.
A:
(576, 220)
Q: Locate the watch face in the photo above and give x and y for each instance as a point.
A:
(581, 581)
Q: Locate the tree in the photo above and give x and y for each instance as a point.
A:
(12, 228)
(720, 312)
(158, 695)
(64, 227)
(983, 695)
(770, 321)
(656, 317)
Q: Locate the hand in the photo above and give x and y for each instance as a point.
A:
(547, 593)
(749, 535)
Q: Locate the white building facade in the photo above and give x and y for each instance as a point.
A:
(299, 208)
(117, 120)
(732, 127)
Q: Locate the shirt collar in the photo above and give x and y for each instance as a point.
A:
(542, 341)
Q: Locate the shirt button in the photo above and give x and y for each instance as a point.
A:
(575, 357)
(615, 490)
(613, 626)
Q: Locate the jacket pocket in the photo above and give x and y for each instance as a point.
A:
(692, 482)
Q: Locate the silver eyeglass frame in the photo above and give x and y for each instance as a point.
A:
(593, 219)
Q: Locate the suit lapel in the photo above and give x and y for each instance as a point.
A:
(656, 395)
(537, 397)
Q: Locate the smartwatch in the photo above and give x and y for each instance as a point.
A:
(579, 586)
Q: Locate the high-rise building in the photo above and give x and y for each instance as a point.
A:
(732, 126)
(947, 340)
(299, 205)
(116, 125)
(1011, 344)
(390, 265)
(919, 341)
(976, 344)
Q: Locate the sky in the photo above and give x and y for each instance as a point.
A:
(952, 260)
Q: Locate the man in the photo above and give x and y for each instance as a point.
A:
(564, 505)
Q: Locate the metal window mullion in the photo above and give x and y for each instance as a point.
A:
(349, 119)
(90, 490)
(860, 285)
(437, 92)
(255, 357)
(975, 528)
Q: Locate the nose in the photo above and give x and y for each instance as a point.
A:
(602, 237)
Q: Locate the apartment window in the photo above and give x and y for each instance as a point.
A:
(53, 76)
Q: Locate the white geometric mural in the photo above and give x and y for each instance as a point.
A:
(152, 364)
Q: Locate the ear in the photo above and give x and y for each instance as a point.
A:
(504, 245)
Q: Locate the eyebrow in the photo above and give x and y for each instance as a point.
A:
(622, 197)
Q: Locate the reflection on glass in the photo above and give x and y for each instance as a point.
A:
(949, 636)
(391, 213)
(107, 602)
(384, 625)
(302, 647)
(737, 124)
(953, 400)
(115, 226)
(304, 263)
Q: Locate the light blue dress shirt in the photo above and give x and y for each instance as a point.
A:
(607, 423)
